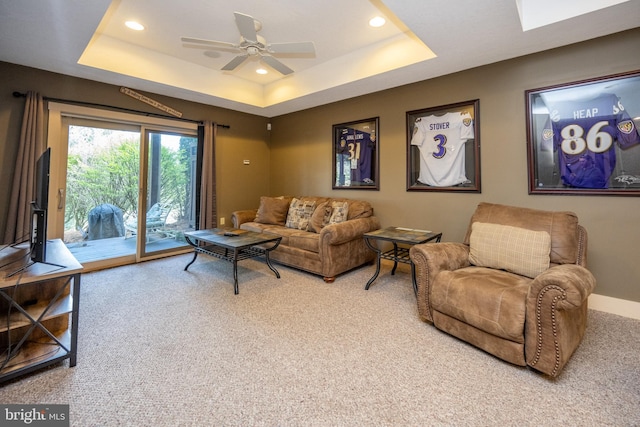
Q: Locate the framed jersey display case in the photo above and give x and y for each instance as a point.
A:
(582, 137)
(443, 148)
(356, 155)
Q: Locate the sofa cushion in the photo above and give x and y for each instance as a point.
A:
(278, 230)
(273, 210)
(305, 240)
(518, 250)
(299, 213)
(490, 300)
(357, 208)
(318, 200)
(339, 212)
(320, 217)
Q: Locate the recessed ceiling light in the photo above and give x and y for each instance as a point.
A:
(134, 25)
(378, 21)
(261, 71)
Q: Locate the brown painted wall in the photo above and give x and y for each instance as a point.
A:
(239, 186)
(301, 153)
(296, 155)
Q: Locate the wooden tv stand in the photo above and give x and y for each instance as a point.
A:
(39, 312)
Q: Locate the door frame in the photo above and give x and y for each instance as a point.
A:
(57, 139)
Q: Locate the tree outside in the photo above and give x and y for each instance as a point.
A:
(103, 168)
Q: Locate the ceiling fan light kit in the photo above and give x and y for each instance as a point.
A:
(251, 44)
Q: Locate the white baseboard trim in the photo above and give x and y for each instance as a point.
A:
(621, 307)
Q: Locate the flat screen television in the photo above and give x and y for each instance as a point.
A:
(39, 208)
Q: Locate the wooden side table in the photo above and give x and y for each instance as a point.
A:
(398, 236)
(39, 310)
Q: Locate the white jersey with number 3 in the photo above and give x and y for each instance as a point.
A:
(441, 140)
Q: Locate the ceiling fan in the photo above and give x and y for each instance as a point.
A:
(252, 44)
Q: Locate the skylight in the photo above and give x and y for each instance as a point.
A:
(538, 13)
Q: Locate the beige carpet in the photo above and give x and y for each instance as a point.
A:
(162, 347)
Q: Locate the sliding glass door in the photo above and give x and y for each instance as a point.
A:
(124, 191)
(169, 191)
(101, 192)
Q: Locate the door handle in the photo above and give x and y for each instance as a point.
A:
(60, 198)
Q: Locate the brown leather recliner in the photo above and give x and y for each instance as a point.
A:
(517, 287)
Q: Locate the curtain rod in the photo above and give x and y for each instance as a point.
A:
(91, 104)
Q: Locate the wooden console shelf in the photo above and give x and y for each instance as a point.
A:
(39, 311)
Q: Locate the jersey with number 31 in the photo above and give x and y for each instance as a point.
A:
(441, 140)
(584, 133)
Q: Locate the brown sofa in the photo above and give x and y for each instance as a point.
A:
(320, 235)
(517, 287)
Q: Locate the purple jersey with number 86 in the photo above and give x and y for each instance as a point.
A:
(584, 134)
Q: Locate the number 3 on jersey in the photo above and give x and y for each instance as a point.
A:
(442, 141)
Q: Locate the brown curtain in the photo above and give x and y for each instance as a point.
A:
(32, 144)
(208, 204)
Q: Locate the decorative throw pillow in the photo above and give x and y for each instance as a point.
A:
(320, 217)
(339, 212)
(272, 210)
(300, 213)
(518, 250)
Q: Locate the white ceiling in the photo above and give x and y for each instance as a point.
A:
(421, 40)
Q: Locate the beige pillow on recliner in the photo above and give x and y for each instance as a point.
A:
(518, 250)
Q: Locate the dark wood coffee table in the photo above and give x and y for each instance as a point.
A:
(233, 245)
(398, 236)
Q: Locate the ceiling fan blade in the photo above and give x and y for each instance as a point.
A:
(235, 62)
(293, 48)
(277, 65)
(209, 43)
(247, 26)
